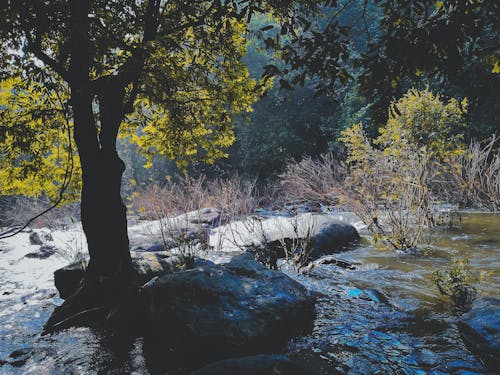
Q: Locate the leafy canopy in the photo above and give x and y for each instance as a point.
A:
(37, 154)
(177, 66)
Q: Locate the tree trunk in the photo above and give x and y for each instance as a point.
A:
(103, 213)
(104, 218)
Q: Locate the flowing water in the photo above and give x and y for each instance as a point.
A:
(383, 317)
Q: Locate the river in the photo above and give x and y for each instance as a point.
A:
(384, 317)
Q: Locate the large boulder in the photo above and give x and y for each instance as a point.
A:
(270, 364)
(218, 311)
(147, 265)
(323, 235)
(480, 329)
(331, 237)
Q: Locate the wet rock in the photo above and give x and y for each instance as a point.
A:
(330, 260)
(146, 264)
(333, 237)
(19, 357)
(35, 239)
(236, 308)
(209, 216)
(480, 329)
(38, 238)
(47, 237)
(326, 236)
(270, 364)
(43, 252)
(157, 247)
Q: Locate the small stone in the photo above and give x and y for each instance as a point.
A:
(44, 252)
(35, 239)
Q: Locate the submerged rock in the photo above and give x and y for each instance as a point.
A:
(480, 328)
(262, 364)
(147, 266)
(236, 308)
(43, 252)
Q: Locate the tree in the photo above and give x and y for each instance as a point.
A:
(455, 44)
(102, 68)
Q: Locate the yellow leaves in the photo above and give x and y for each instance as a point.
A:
(34, 142)
(189, 114)
(421, 118)
(496, 67)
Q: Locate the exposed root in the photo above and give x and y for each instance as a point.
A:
(110, 301)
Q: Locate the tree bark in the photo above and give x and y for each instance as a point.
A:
(103, 213)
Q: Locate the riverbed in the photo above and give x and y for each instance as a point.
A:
(385, 316)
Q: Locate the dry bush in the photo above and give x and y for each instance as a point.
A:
(474, 180)
(232, 197)
(392, 197)
(176, 206)
(22, 209)
(313, 181)
(389, 194)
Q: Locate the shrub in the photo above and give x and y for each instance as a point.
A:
(476, 180)
(313, 181)
(459, 282)
(389, 184)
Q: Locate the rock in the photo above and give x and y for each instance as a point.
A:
(47, 237)
(147, 266)
(38, 238)
(236, 308)
(209, 216)
(157, 247)
(35, 239)
(270, 364)
(331, 237)
(44, 252)
(480, 328)
(322, 234)
(330, 260)
(326, 236)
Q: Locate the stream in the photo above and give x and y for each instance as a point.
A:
(384, 317)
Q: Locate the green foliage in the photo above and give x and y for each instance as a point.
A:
(423, 120)
(390, 187)
(189, 113)
(459, 282)
(169, 73)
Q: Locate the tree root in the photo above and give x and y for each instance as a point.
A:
(109, 301)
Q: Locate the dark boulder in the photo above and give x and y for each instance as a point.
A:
(218, 311)
(43, 252)
(38, 238)
(480, 328)
(331, 237)
(147, 265)
(324, 236)
(270, 364)
(35, 239)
